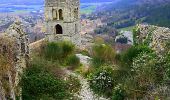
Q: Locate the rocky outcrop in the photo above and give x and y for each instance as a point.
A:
(154, 36)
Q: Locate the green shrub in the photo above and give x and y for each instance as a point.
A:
(101, 82)
(37, 82)
(102, 53)
(84, 52)
(58, 51)
(119, 93)
(53, 51)
(97, 62)
(67, 48)
(128, 56)
(74, 85)
(146, 74)
(136, 31)
(73, 62)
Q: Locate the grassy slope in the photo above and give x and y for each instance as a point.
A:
(88, 9)
(124, 16)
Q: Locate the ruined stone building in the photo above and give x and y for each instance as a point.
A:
(156, 37)
(14, 48)
(63, 20)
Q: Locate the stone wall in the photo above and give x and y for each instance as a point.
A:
(16, 52)
(156, 37)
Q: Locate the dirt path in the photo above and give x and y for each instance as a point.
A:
(85, 93)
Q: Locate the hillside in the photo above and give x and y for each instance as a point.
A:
(127, 13)
(41, 2)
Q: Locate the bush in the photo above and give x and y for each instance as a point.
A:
(97, 62)
(128, 56)
(102, 53)
(84, 52)
(167, 65)
(101, 82)
(74, 85)
(52, 51)
(67, 48)
(147, 73)
(119, 93)
(37, 82)
(73, 61)
(58, 51)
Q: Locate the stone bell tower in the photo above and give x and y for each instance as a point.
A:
(63, 20)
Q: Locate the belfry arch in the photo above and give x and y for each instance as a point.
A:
(58, 29)
(76, 13)
(60, 11)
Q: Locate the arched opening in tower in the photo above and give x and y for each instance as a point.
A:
(76, 13)
(58, 29)
(54, 12)
(60, 14)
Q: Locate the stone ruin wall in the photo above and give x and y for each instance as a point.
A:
(16, 34)
(158, 39)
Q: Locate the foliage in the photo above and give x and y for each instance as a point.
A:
(99, 40)
(74, 85)
(58, 51)
(67, 48)
(119, 93)
(125, 14)
(73, 61)
(146, 74)
(101, 82)
(102, 54)
(148, 38)
(61, 52)
(105, 30)
(159, 16)
(128, 56)
(135, 34)
(37, 83)
(167, 64)
(141, 38)
(85, 52)
(144, 68)
(52, 51)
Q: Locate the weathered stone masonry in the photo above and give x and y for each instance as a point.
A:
(63, 20)
(19, 38)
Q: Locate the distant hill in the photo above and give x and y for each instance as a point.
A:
(84, 1)
(41, 2)
(127, 13)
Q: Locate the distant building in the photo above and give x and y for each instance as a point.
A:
(123, 41)
(63, 20)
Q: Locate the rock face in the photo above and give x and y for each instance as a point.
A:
(18, 57)
(156, 37)
(63, 20)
